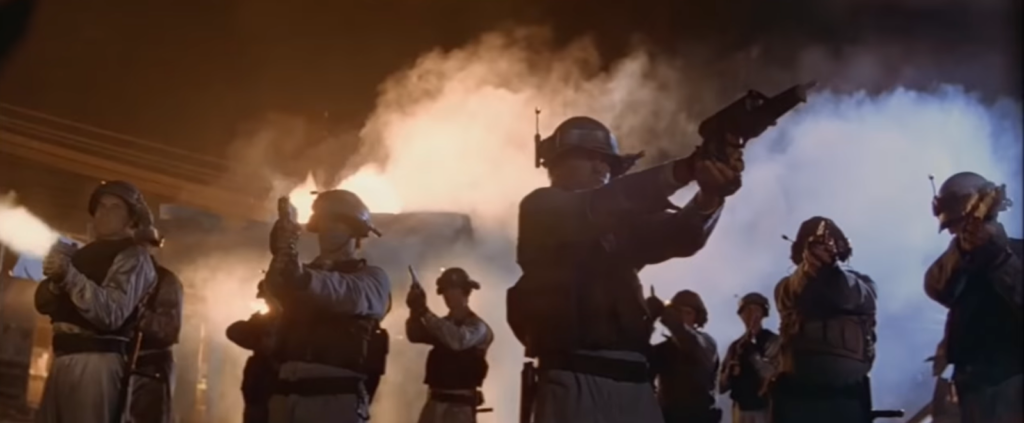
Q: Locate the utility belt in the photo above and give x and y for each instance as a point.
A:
(318, 386)
(67, 344)
(609, 368)
(786, 386)
(469, 399)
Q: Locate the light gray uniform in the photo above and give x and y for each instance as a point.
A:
(598, 240)
(365, 292)
(84, 387)
(471, 333)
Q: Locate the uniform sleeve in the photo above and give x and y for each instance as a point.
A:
(667, 235)
(247, 334)
(699, 345)
(163, 320)
(562, 216)
(416, 332)
(724, 377)
(107, 305)
(1006, 275)
(364, 293)
(472, 334)
(945, 275)
(46, 298)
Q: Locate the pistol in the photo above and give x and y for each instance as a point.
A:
(748, 117)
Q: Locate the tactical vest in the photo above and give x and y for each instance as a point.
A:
(682, 383)
(985, 328)
(595, 305)
(93, 261)
(745, 388)
(313, 335)
(821, 330)
(456, 370)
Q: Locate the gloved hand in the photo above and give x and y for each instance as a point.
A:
(284, 272)
(985, 242)
(818, 256)
(58, 260)
(416, 299)
(721, 177)
(284, 237)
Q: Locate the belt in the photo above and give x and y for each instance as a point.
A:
(467, 399)
(318, 386)
(609, 368)
(66, 343)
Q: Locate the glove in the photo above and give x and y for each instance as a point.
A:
(284, 237)
(818, 256)
(58, 260)
(286, 269)
(985, 242)
(416, 299)
(721, 177)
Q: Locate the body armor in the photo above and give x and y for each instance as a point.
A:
(824, 331)
(334, 339)
(984, 328)
(93, 261)
(456, 370)
(746, 388)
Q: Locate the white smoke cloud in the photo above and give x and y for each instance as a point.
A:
(457, 130)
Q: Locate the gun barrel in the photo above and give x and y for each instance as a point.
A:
(887, 414)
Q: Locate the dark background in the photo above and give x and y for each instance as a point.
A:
(190, 73)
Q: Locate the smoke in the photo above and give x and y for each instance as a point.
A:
(22, 231)
(456, 129)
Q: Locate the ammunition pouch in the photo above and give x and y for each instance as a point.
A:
(608, 368)
(331, 340)
(67, 344)
(320, 386)
(844, 336)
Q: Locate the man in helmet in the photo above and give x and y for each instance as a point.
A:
(92, 296)
(827, 332)
(160, 326)
(578, 307)
(260, 372)
(330, 314)
(685, 364)
(747, 368)
(457, 363)
(978, 279)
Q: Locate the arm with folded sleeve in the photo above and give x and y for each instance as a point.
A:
(108, 304)
(363, 293)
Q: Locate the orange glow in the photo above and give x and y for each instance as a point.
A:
(259, 306)
(369, 183)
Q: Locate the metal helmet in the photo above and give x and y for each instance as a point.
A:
(754, 298)
(586, 133)
(344, 206)
(139, 211)
(690, 299)
(956, 194)
(455, 277)
(808, 229)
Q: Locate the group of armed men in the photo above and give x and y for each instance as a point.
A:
(578, 309)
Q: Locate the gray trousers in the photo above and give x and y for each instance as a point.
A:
(151, 397)
(82, 388)
(566, 397)
(998, 404)
(347, 408)
(446, 412)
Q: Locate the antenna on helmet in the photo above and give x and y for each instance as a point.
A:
(931, 179)
(536, 137)
(787, 238)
